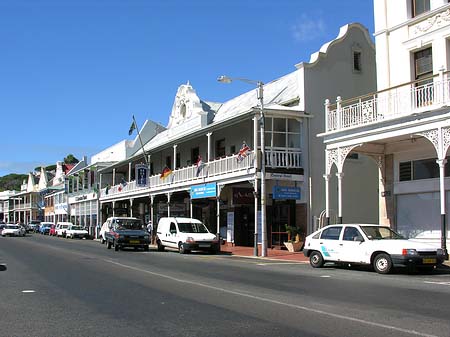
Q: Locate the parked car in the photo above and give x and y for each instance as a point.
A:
(110, 222)
(13, 230)
(44, 228)
(375, 245)
(74, 231)
(1, 227)
(126, 232)
(34, 225)
(61, 228)
(52, 231)
(185, 234)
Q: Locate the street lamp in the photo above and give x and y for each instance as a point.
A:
(260, 96)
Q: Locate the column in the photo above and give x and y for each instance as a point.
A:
(255, 195)
(340, 176)
(175, 157)
(113, 207)
(129, 171)
(441, 163)
(209, 146)
(114, 177)
(327, 197)
(131, 207)
(168, 203)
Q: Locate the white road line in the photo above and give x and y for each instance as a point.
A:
(28, 291)
(436, 282)
(325, 276)
(263, 299)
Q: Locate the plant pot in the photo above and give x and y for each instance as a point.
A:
(293, 246)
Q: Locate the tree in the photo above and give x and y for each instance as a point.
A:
(70, 159)
(12, 181)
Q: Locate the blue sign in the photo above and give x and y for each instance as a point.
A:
(204, 191)
(141, 173)
(284, 192)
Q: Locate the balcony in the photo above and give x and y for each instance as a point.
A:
(389, 104)
(216, 170)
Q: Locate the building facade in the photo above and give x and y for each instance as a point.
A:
(405, 125)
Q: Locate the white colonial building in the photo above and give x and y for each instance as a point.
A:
(196, 167)
(405, 125)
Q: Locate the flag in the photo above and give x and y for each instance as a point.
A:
(243, 152)
(165, 173)
(123, 183)
(132, 127)
(200, 164)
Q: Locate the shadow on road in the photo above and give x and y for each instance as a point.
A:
(3, 267)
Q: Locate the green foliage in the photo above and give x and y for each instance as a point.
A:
(70, 159)
(12, 181)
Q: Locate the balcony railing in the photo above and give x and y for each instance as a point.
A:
(216, 169)
(403, 100)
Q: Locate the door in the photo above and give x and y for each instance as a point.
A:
(330, 245)
(353, 246)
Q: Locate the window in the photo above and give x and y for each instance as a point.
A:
(331, 233)
(420, 6)
(421, 169)
(357, 61)
(220, 148)
(351, 234)
(195, 152)
(282, 133)
(423, 63)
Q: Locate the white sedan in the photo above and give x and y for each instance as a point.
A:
(76, 232)
(13, 230)
(375, 245)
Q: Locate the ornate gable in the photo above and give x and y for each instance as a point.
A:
(187, 109)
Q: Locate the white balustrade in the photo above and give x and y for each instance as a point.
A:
(388, 104)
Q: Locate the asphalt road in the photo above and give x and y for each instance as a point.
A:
(58, 287)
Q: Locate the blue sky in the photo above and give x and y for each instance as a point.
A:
(73, 72)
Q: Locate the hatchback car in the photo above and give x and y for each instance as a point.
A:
(13, 230)
(375, 245)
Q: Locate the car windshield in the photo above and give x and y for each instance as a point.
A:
(380, 233)
(188, 227)
(12, 227)
(128, 224)
(77, 228)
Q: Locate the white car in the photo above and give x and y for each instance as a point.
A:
(13, 230)
(375, 245)
(73, 232)
(61, 228)
(185, 234)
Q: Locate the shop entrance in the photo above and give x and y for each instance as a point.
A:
(244, 226)
(283, 213)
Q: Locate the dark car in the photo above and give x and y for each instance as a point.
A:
(127, 232)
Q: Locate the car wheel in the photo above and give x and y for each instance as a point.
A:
(181, 249)
(146, 249)
(102, 241)
(382, 263)
(316, 259)
(108, 244)
(160, 246)
(116, 247)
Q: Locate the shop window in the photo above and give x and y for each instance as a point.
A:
(421, 169)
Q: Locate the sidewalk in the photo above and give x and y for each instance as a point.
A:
(272, 254)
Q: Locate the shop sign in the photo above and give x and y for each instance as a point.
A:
(141, 174)
(285, 192)
(284, 176)
(243, 196)
(204, 191)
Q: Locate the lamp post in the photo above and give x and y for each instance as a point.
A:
(260, 96)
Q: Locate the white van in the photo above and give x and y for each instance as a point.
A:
(185, 234)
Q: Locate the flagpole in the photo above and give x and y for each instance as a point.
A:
(140, 140)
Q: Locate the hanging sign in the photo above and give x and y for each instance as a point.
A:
(284, 192)
(204, 191)
(141, 174)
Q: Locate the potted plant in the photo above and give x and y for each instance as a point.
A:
(295, 241)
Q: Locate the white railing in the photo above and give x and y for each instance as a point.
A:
(399, 101)
(224, 167)
(283, 159)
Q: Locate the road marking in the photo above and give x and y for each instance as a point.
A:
(268, 300)
(325, 276)
(28, 291)
(275, 263)
(436, 282)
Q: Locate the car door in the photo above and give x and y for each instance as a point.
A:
(329, 243)
(353, 245)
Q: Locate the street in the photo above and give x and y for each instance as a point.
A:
(61, 287)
